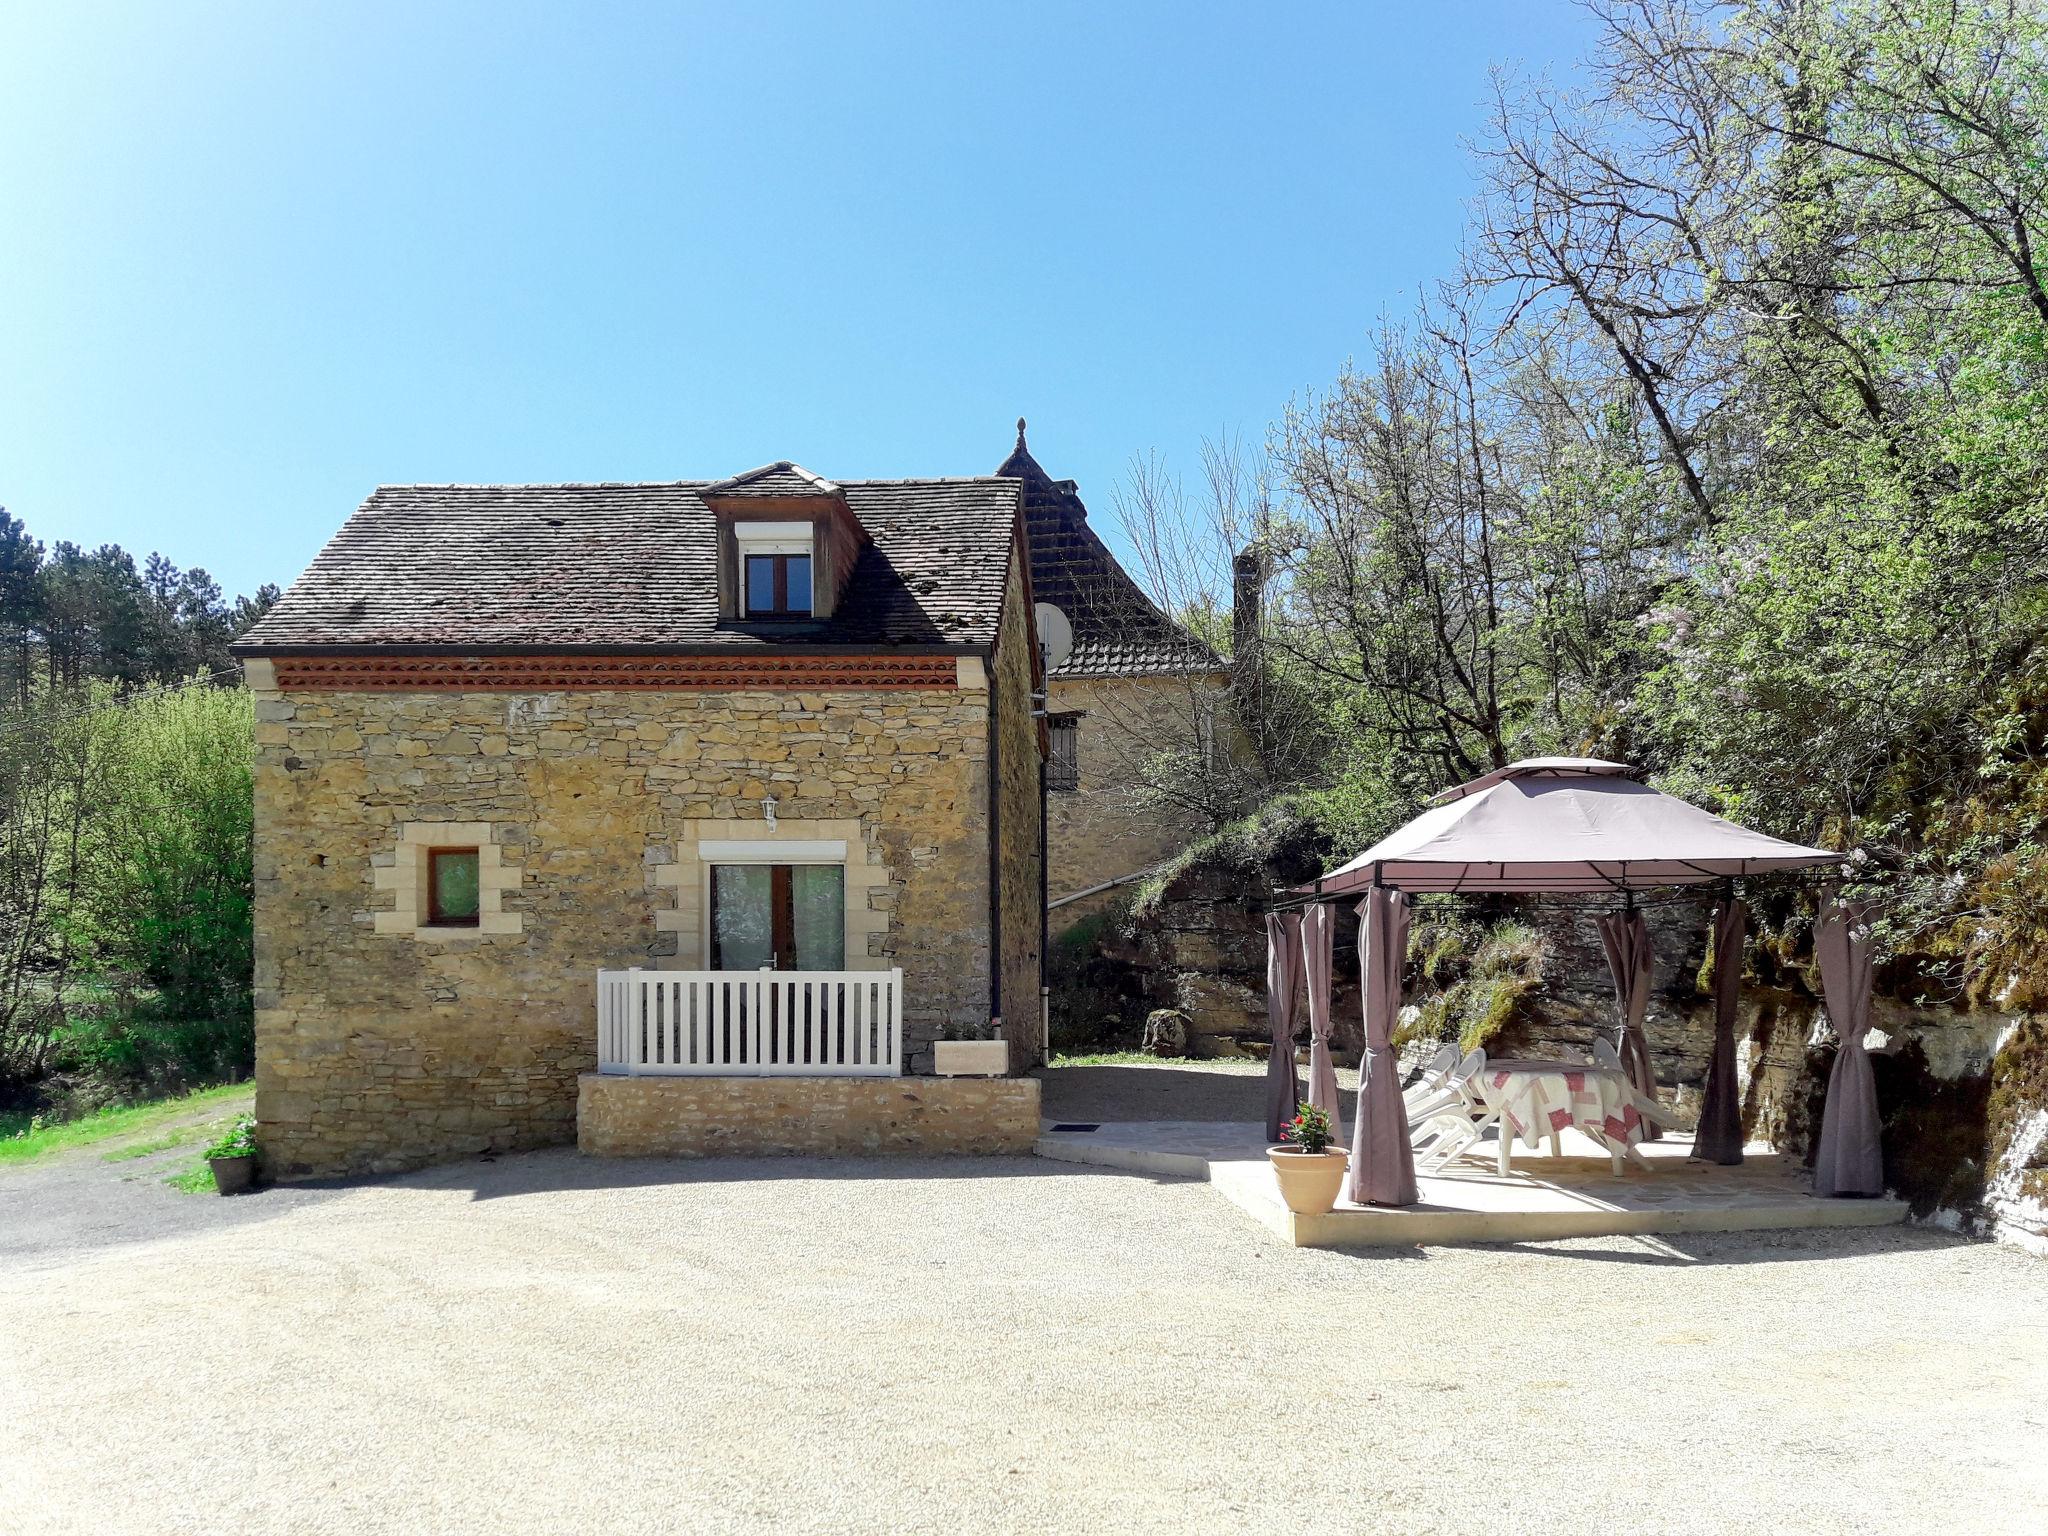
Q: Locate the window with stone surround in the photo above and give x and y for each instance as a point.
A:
(448, 880)
(805, 895)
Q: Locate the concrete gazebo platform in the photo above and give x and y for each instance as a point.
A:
(1542, 1198)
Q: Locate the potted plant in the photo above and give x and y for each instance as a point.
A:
(233, 1157)
(1309, 1169)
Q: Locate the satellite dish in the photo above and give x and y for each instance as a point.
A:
(1055, 635)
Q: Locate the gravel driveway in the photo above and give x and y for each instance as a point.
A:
(552, 1344)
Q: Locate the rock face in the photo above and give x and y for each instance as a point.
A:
(1199, 948)
(382, 1045)
(2016, 1146)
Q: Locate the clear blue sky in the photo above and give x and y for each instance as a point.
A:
(257, 258)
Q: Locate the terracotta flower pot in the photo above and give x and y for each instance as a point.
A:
(232, 1175)
(1309, 1181)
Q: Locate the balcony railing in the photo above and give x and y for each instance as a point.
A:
(750, 1023)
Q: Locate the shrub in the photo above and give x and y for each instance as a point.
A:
(239, 1140)
(1093, 1004)
(142, 1046)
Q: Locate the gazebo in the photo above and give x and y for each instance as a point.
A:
(1571, 825)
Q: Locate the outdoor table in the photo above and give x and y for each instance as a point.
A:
(1540, 1098)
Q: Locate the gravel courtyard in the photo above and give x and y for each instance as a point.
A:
(551, 1344)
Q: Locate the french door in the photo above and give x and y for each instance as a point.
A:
(786, 917)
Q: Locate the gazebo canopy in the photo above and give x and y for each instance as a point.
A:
(1563, 824)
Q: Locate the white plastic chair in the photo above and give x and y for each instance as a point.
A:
(1431, 1080)
(1458, 1126)
(1449, 1093)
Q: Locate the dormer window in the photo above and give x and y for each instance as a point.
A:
(775, 569)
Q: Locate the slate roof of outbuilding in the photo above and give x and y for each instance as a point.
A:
(634, 566)
(1118, 630)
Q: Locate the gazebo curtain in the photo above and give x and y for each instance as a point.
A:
(1626, 937)
(1382, 1164)
(1849, 1160)
(1283, 995)
(1318, 934)
(1719, 1136)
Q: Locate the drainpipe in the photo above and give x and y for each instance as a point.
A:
(995, 849)
(1044, 923)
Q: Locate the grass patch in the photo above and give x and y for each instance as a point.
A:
(24, 1139)
(1109, 1059)
(156, 1144)
(195, 1180)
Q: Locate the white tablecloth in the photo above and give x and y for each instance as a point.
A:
(1539, 1098)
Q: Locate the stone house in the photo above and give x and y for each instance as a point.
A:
(675, 817)
(1134, 682)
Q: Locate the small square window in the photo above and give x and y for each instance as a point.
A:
(454, 887)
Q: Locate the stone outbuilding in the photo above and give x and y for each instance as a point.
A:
(719, 804)
(1135, 687)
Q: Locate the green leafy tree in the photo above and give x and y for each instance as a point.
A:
(169, 875)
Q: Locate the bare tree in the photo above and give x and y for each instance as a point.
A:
(1228, 740)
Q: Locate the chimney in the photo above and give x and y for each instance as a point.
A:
(1247, 661)
(1247, 597)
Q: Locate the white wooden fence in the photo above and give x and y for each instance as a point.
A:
(751, 1023)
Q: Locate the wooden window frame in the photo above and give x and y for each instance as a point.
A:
(436, 918)
(781, 907)
(779, 562)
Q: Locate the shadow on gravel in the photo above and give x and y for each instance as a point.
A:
(1792, 1245)
(82, 1204)
(551, 1170)
(556, 1170)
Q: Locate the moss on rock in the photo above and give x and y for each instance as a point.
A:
(2019, 1091)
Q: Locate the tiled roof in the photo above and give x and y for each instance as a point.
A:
(781, 478)
(633, 566)
(1118, 630)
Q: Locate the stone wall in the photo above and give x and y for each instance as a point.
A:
(378, 1050)
(1018, 852)
(1097, 832)
(818, 1116)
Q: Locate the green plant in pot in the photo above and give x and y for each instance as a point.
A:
(1309, 1169)
(233, 1157)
